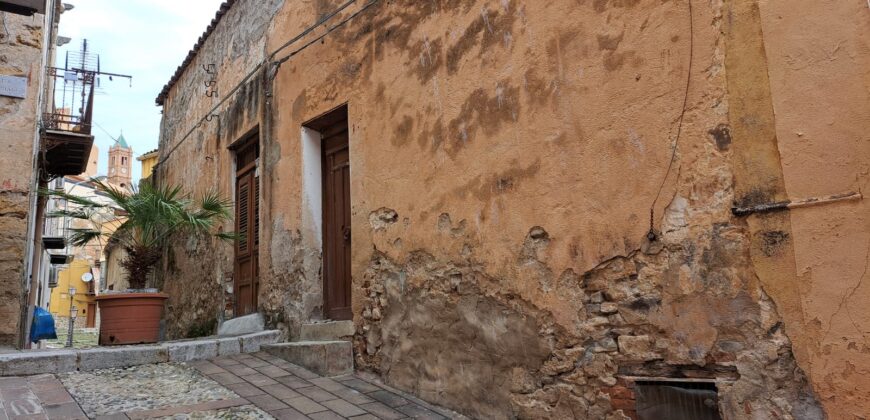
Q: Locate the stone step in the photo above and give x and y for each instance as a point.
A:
(247, 324)
(36, 362)
(326, 331)
(325, 358)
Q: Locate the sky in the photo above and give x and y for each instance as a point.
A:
(147, 39)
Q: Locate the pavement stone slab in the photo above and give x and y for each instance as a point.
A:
(344, 408)
(259, 379)
(325, 415)
(388, 398)
(241, 370)
(352, 396)
(208, 368)
(67, 411)
(288, 414)
(272, 371)
(382, 411)
(280, 391)
(316, 394)
(361, 385)
(417, 412)
(245, 389)
(305, 405)
(294, 381)
(226, 378)
(267, 402)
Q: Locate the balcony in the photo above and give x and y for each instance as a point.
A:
(66, 127)
(23, 7)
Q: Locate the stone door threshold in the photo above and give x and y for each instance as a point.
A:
(28, 363)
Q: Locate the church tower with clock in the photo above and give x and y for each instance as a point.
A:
(120, 163)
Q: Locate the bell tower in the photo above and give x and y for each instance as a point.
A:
(120, 163)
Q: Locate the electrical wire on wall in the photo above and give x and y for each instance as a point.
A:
(652, 235)
(276, 64)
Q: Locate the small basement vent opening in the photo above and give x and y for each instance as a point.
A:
(676, 400)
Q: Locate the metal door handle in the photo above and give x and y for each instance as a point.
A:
(346, 233)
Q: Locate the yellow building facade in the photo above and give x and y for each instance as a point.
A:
(84, 298)
(148, 161)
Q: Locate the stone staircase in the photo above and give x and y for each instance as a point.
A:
(322, 347)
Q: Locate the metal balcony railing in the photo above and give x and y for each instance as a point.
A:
(72, 109)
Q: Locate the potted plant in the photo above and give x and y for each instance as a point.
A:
(141, 222)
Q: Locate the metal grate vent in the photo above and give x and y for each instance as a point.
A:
(657, 400)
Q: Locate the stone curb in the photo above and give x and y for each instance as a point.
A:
(28, 363)
(325, 358)
(34, 363)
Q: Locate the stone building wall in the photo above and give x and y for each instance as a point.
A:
(197, 273)
(507, 160)
(21, 55)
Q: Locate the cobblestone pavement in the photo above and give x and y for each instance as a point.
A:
(257, 386)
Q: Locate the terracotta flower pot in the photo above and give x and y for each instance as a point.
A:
(130, 318)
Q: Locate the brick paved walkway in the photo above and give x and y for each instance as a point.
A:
(36, 397)
(279, 388)
(287, 391)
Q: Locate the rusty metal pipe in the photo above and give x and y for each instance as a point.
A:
(789, 204)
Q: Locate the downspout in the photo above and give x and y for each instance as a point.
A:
(33, 250)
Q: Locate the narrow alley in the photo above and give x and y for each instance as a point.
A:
(244, 386)
(389, 209)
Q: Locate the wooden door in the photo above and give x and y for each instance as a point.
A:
(336, 223)
(246, 275)
(91, 316)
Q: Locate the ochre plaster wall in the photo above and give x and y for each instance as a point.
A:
(505, 156)
(818, 55)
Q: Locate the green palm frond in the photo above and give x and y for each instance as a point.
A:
(79, 214)
(227, 236)
(74, 199)
(82, 237)
(144, 220)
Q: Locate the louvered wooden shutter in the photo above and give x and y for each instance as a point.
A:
(256, 209)
(243, 194)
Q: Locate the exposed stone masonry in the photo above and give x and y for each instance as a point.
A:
(513, 361)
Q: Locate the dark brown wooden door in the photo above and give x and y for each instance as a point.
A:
(336, 226)
(91, 320)
(246, 276)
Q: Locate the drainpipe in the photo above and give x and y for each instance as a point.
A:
(35, 253)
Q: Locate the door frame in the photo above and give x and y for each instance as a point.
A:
(324, 124)
(239, 148)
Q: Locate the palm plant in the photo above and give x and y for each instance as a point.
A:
(143, 221)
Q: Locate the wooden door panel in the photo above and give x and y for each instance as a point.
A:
(337, 225)
(246, 269)
(91, 320)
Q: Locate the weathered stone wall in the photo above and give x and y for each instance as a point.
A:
(198, 272)
(505, 159)
(20, 55)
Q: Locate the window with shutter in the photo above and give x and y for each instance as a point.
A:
(256, 209)
(242, 216)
